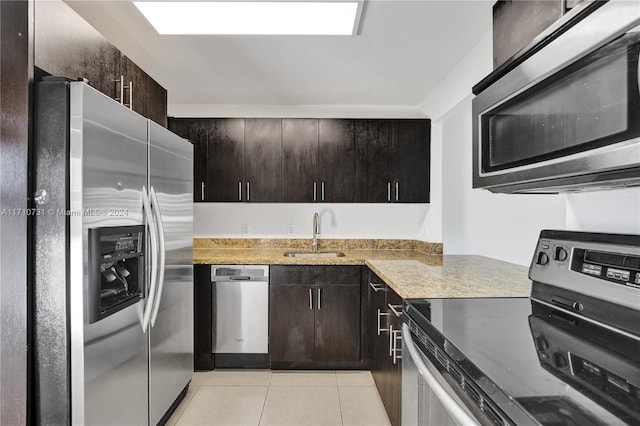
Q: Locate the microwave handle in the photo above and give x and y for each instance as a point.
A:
(454, 409)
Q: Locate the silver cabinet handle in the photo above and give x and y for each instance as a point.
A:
(248, 188)
(397, 196)
(389, 191)
(319, 297)
(322, 191)
(239, 191)
(394, 309)
(120, 97)
(310, 299)
(202, 191)
(380, 315)
(131, 95)
(376, 287)
(315, 191)
(397, 335)
(391, 334)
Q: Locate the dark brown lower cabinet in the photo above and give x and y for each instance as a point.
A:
(202, 317)
(314, 317)
(291, 325)
(383, 340)
(337, 324)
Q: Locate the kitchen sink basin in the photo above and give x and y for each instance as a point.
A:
(313, 254)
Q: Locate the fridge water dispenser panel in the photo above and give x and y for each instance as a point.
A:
(116, 269)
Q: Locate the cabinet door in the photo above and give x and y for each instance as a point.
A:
(378, 320)
(411, 161)
(299, 160)
(143, 93)
(202, 318)
(66, 45)
(336, 160)
(263, 159)
(225, 160)
(291, 324)
(393, 393)
(195, 130)
(337, 323)
(373, 166)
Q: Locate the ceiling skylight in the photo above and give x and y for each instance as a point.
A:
(252, 17)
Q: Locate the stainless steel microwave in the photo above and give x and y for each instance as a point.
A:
(566, 117)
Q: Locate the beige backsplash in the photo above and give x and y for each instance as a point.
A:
(325, 244)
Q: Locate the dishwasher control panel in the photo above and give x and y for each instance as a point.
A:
(239, 273)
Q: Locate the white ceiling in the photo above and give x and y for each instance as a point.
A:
(404, 49)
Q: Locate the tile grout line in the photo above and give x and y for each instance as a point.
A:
(264, 403)
(339, 402)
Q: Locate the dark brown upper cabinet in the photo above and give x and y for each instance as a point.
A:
(68, 46)
(411, 161)
(263, 159)
(517, 22)
(393, 161)
(336, 169)
(318, 160)
(142, 93)
(225, 160)
(195, 130)
(308, 160)
(299, 160)
(373, 164)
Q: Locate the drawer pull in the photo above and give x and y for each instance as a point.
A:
(380, 315)
(376, 287)
(396, 309)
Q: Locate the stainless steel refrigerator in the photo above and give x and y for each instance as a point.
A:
(112, 248)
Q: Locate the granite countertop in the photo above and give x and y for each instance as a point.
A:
(410, 273)
(453, 276)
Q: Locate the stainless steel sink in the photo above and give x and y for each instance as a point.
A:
(314, 254)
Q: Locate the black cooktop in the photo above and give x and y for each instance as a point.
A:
(559, 369)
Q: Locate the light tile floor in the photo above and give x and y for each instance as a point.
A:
(295, 398)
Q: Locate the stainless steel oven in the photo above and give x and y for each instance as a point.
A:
(567, 117)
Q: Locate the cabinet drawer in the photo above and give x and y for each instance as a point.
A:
(310, 275)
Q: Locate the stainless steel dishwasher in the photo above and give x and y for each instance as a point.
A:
(240, 318)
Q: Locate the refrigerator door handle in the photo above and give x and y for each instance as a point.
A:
(153, 238)
(160, 230)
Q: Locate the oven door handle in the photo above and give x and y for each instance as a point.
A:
(457, 412)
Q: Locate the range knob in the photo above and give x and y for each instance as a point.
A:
(561, 254)
(543, 258)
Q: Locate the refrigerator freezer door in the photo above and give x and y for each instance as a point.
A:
(171, 336)
(108, 149)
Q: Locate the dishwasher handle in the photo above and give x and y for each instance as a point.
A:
(458, 413)
(240, 278)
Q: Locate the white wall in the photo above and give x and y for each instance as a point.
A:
(505, 226)
(336, 220)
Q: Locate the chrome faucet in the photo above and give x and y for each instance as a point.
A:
(316, 231)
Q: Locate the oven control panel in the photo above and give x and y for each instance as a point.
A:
(602, 266)
(619, 268)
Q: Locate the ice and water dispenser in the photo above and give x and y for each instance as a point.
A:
(116, 269)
